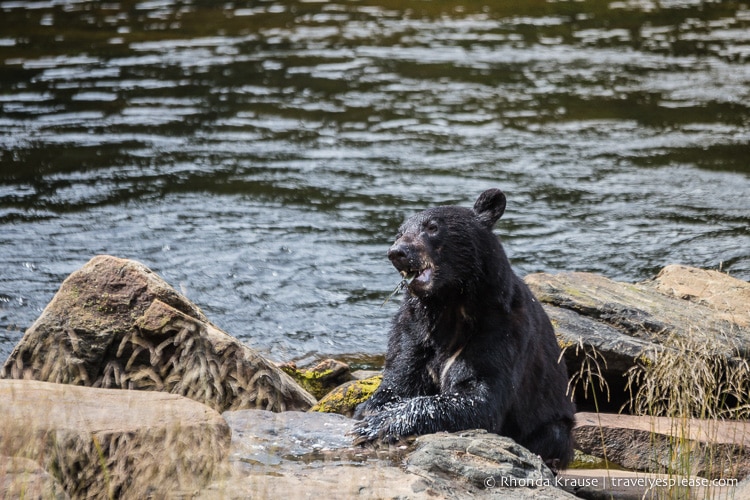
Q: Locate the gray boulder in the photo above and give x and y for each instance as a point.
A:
(480, 464)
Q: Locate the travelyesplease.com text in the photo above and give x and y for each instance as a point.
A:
(635, 482)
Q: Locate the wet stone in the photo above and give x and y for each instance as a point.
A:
(311, 455)
(265, 437)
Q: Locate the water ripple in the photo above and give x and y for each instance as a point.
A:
(260, 157)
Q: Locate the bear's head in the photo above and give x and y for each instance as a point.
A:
(448, 251)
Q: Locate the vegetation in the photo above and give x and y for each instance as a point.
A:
(697, 388)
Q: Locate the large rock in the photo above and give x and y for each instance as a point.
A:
(641, 311)
(727, 296)
(100, 443)
(707, 448)
(613, 326)
(116, 324)
(310, 454)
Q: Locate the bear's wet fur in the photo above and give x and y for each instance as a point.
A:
(470, 347)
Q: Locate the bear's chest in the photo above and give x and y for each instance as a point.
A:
(441, 369)
(443, 350)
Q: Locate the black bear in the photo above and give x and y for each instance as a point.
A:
(470, 347)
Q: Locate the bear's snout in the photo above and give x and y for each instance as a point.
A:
(399, 255)
(408, 258)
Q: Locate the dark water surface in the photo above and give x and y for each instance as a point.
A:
(260, 155)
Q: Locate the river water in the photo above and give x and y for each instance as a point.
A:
(260, 155)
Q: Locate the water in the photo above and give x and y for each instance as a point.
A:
(260, 155)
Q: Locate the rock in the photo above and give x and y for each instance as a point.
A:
(329, 480)
(598, 357)
(614, 326)
(743, 489)
(24, 478)
(683, 342)
(345, 398)
(116, 324)
(321, 378)
(102, 443)
(707, 448)
(363, 374)
(619, 350)
(727, 296)
(311, 455)
(269, 438)
(638, 310)
(481, 464)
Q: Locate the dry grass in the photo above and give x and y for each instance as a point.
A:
(170, 352)
(148, 463)
(590, 378)
(691, 378)
(692, 383)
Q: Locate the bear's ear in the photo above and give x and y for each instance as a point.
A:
(489, 207)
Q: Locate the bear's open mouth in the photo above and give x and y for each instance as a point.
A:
(422, 276)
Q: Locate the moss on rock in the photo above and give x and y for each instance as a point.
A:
(320, 379)
(345, 398)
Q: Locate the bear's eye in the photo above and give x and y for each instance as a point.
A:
(432, 227)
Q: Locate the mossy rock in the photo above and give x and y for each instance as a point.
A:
(345, 398)
(320, 379)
